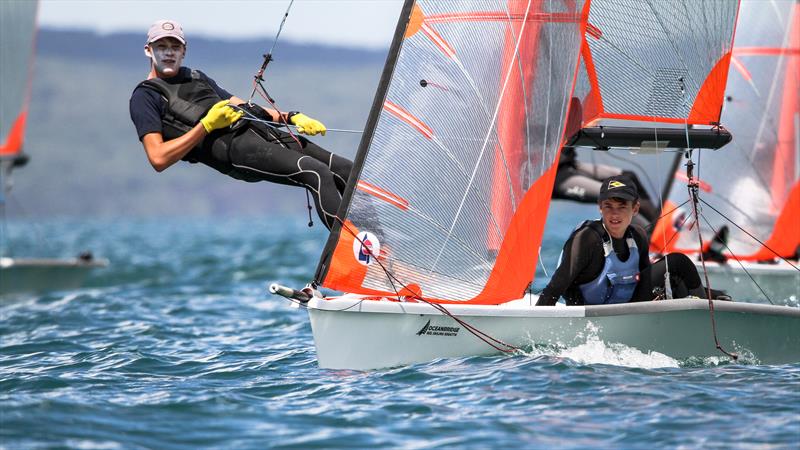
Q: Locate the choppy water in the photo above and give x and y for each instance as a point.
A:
(178, 345)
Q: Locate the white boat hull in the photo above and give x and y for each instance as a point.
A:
(19, 275)
(353, 334)
(780, 282)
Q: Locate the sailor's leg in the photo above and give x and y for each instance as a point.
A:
(683, 277)
(339, 166)
(252, 154)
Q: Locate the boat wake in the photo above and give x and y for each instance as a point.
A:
(590, 349)
(593, 350)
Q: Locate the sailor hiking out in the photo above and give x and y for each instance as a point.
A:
(182, 114)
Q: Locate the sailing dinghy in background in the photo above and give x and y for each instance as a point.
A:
(752, 187)
(444, 214)
(19, 275)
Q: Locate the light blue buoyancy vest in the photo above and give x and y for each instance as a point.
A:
(618, 279)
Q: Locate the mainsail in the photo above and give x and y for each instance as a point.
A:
(663, 61)
(754, 180)
(17, 33)
(456, 168)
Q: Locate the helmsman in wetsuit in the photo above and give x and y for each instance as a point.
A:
(606, 261)
(182, 114)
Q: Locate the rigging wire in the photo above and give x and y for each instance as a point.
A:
(495, 343)
(694, 196)
(738, 261)
(272, 123)
(259, 76)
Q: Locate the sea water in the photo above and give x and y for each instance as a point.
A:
(177, 344)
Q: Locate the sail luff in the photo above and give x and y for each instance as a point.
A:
(404, 19)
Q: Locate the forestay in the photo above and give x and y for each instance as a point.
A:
(456, 166)
(754, 180)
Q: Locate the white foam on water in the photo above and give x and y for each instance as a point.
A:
(592, 350)
(595, 351)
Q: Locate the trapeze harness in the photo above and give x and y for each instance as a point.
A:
(187, 103)
(617, 281)
(231, 152)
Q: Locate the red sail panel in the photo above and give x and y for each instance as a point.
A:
(468, 149)
(17, 35)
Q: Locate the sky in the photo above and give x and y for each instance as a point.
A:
(352, 23)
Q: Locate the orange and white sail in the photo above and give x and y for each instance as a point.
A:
(755, 180)
(452, 181)
(17, 38)
(656, 61)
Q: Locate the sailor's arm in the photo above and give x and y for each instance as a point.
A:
(577, 253)
(305, 124)
(164, 154)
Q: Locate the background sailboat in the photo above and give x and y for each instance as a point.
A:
(17, 35)
(754, 182)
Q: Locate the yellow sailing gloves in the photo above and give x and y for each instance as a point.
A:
(220, 116)
(306, 125)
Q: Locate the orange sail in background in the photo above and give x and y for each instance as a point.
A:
(755, 180)
(17, 35)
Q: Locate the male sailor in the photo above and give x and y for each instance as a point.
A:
(606, 260)
(182, 114)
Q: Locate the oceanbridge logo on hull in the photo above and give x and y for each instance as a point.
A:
(437, 330)
(366, 248)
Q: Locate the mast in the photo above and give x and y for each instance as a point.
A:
(366, 138)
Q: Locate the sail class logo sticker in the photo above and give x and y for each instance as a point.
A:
(366, 248)
(437, 330)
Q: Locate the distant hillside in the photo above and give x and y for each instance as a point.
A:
(126, 48)
(87, 160)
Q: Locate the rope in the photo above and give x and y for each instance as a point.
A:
(747, 233)
(716, 233)
(493, 342)
(693, 195)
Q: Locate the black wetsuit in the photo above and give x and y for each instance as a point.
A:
(251, 151)
(583, 260)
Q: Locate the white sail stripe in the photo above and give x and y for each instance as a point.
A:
(464, 171)
(485, 107)
(524, 99)
(485, 143)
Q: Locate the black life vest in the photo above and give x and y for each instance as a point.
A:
(188, 101)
